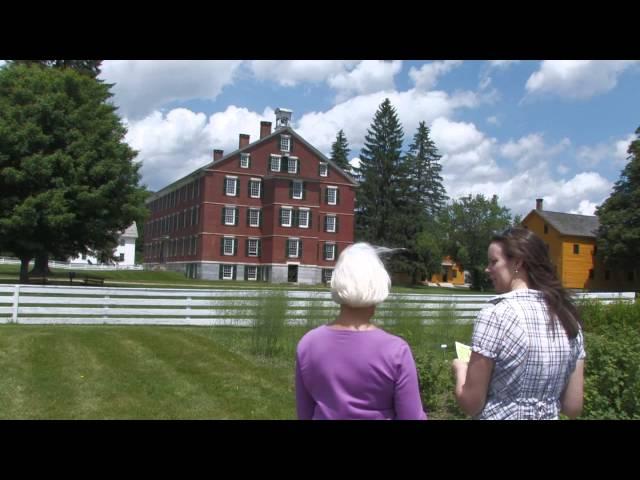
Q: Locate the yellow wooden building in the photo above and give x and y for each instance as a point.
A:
(571, 241)
(452, 272)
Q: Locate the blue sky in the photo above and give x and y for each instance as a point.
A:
(521, 129)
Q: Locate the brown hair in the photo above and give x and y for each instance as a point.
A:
(524, 245)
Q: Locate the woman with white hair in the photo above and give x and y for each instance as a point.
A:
(350, 369)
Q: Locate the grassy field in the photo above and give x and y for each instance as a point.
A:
(159, 372)
(128, 372)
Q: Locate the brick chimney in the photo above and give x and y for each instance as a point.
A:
(218, 154)
(265, 129)
(539, 203)
(243, 140)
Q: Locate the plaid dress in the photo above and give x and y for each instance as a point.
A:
(532, 363)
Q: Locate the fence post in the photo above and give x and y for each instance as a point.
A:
(16, 301)
(105, 309)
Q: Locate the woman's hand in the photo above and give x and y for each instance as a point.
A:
(459, 368)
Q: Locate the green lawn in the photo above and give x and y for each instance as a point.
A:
(160, 372)
(131, 372)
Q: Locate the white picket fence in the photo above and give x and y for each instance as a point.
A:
(35, 304)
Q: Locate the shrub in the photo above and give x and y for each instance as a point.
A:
(612, 366)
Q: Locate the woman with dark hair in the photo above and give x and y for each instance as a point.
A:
(527, 359)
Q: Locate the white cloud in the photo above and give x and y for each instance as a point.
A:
(493, 120)
(367, 77)
(454, 137)
(292, 72)
(577, 79)
(355, 115)
(562, 169)
(615, 151)
(174, 144)
(470, 167)
(142, 86)
(531, 149)
(621, 149)
(585, 208)
(426, 77)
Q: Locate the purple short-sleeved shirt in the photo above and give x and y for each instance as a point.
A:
(348, 375)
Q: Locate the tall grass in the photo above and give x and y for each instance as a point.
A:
(269, 330)
(406, 322)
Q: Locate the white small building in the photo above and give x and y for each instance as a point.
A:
(125, 251)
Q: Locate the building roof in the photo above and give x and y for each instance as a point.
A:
(570, 223)
(280, 131)
(277, 131)
(131, 232)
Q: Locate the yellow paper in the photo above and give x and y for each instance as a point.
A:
(463, 351)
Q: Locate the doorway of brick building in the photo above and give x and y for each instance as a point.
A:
(292, 276)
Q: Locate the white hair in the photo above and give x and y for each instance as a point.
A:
(359, 279)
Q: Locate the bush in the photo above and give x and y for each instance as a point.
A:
(437, 386)
(612, 366)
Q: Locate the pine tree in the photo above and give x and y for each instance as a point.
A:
(340, 152)
(379, 197)
(424, 173)
(618, 236)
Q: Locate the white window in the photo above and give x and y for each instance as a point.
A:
(252, 247)
(294, 248)
(252, 272)
(303, 218)
(285, 143)
(231, 186)
(285, 216)
(254, 187)
(297, 190)
(254, 217)
(274, 163)
(244, 160)
(292, 165)
(227, 272)
(332, 195)
(330, 223)
(329, 251)
(230, 216)
(229, 245)
(324, 169)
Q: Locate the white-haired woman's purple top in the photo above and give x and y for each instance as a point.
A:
(349, 375)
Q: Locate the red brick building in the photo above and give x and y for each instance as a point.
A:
(274, 210)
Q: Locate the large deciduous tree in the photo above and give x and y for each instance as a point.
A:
(68, 182)
(618, 236)
(469, 224)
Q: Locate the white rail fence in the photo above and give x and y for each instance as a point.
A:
(32, 304)
(74, 266)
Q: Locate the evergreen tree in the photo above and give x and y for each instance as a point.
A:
(379, 197)
(340, 152)
(618, 237)
(68, 183)
(387, 213)
(424, 173)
